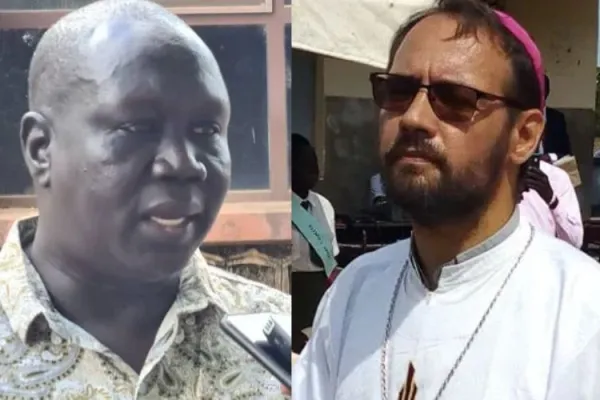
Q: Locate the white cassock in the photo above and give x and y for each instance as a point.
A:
(540, 341)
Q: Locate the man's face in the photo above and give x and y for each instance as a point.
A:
(459, 165)
(305, 169)
(141, 165)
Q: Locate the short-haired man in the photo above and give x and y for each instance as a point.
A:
(308, 277)
(477, 304)
(105, 295)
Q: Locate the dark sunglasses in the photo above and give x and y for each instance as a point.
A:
(451, 102)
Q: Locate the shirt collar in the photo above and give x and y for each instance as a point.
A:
(309, 197)
(26, 302)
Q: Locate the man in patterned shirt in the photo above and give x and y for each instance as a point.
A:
(105, 295)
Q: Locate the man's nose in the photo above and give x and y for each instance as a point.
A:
(419, 116)
(178, 159)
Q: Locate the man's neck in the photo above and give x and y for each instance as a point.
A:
(90, 299)
(302, 193)
(123, 313)
(441, 244)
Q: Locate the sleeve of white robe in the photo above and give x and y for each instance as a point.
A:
(312, 373)
(316, 372)
(580, 379)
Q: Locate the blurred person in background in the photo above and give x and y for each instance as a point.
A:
(309, 281)
(549, 201)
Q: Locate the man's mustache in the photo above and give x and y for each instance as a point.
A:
(414, 148)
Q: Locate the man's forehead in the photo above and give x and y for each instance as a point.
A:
(431, 48)
(139, 60)
(122, 41)
(154, 82)
(152, 92)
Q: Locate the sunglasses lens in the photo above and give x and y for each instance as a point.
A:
(453, 103)
(394, 93)
(450, 102)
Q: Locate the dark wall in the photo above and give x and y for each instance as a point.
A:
(581, 126)
(351, 143)
(303, 93)
(16, 49)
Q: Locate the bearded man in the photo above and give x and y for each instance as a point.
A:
(476, 304)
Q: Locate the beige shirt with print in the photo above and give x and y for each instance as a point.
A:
(45, 356)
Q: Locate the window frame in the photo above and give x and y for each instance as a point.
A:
(264, 7)
(247, 216)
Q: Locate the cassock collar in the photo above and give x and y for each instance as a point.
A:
(457, 270)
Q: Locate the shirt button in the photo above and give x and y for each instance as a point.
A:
(55, 339)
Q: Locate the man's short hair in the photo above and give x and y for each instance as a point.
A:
(53, 76)
(301, 147)
(299, 140)
(474, 16)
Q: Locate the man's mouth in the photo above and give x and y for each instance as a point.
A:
(415, 157)
(169, 222)
(412, 153)
(171, 228)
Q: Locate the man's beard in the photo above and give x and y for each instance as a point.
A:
(446, 195)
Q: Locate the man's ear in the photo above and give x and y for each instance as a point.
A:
(526, 135)
(36, 136)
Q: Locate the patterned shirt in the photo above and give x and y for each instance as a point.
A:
(45, 356)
